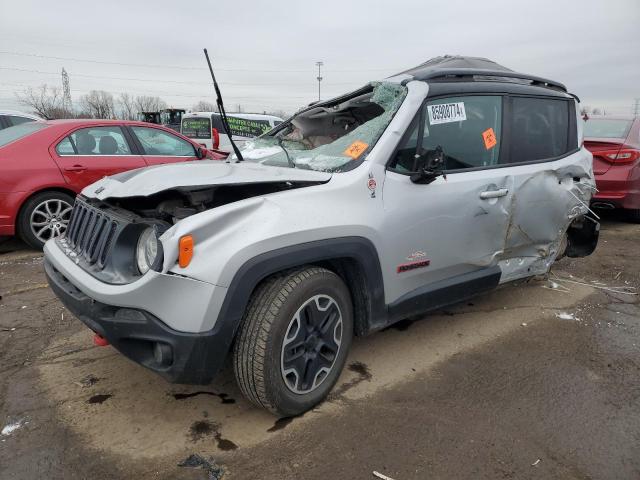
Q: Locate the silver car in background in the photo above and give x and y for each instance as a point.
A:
(399, 198)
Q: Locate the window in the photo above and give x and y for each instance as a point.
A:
(468, 129)
(606, 128)
(196, 127)
(539, 129)
(158, 142)
(15, 120)
(94, 141)
(12, 134)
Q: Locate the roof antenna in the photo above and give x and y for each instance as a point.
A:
(223, 113)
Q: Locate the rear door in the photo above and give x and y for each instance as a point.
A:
(88, 154)
(159, 146)
(453, 229)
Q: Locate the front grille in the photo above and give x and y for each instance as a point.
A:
(90, 233)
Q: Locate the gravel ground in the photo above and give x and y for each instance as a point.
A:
(539, 379)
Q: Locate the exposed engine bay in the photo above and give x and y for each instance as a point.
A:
(173, 205)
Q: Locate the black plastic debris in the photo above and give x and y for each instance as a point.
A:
(88, 381)
(214, 472)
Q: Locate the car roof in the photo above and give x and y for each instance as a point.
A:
(98, 121)
(457, 68)
(20, 114)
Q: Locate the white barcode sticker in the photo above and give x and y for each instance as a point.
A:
(446, 113)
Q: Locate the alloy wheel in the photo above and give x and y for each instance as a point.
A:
(311, 344)
(50, 218)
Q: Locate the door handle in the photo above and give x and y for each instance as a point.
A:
(76, 168)
(487, 194)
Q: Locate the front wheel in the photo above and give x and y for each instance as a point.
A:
(44, 216)
(294, 340)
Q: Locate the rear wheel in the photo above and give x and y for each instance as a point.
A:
(294, 340)
(44, 216)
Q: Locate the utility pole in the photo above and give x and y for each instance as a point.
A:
(66, 93)
(636, 107)
(319, 77)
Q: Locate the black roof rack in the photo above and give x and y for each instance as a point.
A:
(459, 67)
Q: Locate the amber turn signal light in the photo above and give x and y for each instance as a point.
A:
(186, 251)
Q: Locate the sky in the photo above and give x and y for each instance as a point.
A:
(264, 52)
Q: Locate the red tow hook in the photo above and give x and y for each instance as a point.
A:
(100, 341)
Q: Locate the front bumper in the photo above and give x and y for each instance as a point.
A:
(128, 319)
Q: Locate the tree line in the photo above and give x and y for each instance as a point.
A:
(48, 102)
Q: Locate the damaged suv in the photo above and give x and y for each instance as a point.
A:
(404, 196)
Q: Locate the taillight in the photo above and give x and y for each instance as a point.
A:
(618, 156)
(215, 138)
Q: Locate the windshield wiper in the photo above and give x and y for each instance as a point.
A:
(292, 164)
(223, 113)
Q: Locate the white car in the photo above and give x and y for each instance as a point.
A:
(206, 128)
(10, 118)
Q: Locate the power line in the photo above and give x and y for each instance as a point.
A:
(184, 67)
(178, 82)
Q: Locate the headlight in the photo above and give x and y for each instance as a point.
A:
(147, 250)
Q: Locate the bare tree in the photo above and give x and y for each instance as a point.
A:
(98, 104)
(126, 107)
(45, 101)
(145, 103)
(278, 113)
(204, 106)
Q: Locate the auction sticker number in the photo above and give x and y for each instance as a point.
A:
(446, 113)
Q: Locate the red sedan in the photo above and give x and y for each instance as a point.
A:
(43, 165)
(615, 144)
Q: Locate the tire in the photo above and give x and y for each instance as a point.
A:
(279, 316)
(44, 216)
(633, 215)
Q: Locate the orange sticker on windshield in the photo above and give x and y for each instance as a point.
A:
(489, 138)
(355, 149)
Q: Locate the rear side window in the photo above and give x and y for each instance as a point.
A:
(196, 127)
(12, 134)
(606, 128)
(468, 129)
(16, 120)
(539, 129)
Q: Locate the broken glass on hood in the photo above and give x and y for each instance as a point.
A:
(331, 136)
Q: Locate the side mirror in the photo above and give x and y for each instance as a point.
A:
(432, 168)
(200, 153)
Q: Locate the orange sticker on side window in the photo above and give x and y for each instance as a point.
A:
(489, 138)
(355, 149)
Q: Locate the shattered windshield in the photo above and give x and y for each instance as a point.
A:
(331, 136)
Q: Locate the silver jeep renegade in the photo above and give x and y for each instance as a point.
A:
(399, 198)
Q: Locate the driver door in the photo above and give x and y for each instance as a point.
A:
(447, 235)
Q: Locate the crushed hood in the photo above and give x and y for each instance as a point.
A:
(147, 181)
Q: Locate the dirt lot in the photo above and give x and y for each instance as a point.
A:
(535, 380)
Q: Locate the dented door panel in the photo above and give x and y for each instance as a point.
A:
(457, 225)
(547, 198)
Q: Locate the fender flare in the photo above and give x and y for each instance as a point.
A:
(247, 278)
